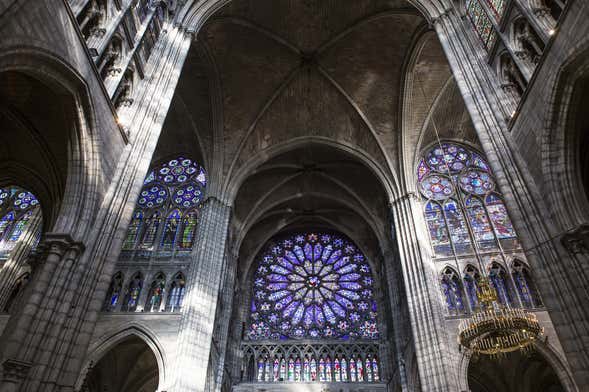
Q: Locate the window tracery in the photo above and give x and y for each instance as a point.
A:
(313, 285)
(17, 207)
(132, 295)
(467, 218)
(166, 214)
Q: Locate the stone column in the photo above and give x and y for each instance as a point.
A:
(225, 319)
(202, 295)
(425, 316)
(54, 328)
(29, 332)
(563, 277)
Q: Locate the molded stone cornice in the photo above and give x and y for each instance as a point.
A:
(15, 371)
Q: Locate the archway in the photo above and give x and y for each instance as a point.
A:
(130, 366)
(515, 373)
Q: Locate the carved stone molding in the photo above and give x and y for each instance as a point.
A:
(577, 241)
(15, 371)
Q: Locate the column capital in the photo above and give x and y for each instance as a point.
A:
(577, 241)
(60, 243)
(15, 371)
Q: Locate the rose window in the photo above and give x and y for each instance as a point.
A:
(313, 286)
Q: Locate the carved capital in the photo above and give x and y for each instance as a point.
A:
(541, 11)
(577, 241)
(15, 371)
(60, 243)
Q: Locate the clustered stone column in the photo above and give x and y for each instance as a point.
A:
(202, 296)
(44, 345)
(426, 319)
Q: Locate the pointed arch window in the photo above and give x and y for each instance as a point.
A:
(113, 295)
(471, 278)
(500, 281)
(452, 290)
(176, 295)
(156, 293)
(165, 218)
(133, 292)
(525, 285)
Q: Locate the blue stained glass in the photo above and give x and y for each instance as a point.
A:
(153, 196)
(17, 231)
(457, 227)
(437, 229)
(151, 227)
(313, 289)
(6, 223)
(170, 230)
(133, 230)
(498, 279)
(188, 196)
(452, 292)
(25, 200)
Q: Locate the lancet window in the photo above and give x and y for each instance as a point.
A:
(165, 218)
(312, 286)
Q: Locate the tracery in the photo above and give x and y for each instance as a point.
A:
(165, 218)
(18, 208)
(312, 286)
(469, 223)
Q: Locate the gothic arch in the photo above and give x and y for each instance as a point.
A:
(109, 341)
(69, 203)
(562, 138)
(545, 350)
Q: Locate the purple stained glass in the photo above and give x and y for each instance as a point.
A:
(436, 187)
(477, 182)
(422, 170)
(312, 286)
(448, 157)
(188, 196)
(479, 162)
(25, 200)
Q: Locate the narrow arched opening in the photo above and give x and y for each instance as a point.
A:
(129, 366)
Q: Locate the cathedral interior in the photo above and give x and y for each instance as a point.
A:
(294, 195)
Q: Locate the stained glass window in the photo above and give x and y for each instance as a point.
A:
(437, 229)
(452, 289)
(471, 278)
(501, 221)
(457, 227)
(133, 292)
(313, 285)
(114, 292)
(170, 230)
(17, 208)
(499, 280)
(166, 214)
(176, 295)
(479, 221)
(481, 22)
(462, 202)
(526, 288)
(156, 293)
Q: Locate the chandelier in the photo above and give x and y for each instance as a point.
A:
(495, 329)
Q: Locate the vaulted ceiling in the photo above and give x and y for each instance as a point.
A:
(307, 112)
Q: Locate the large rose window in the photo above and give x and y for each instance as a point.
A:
(313, 286)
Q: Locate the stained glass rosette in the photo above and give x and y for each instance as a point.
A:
(310, 286)
(476, 182)
(436, 187)
(152, 196)
(448, 157)
(25, 200)
(178, 171)
(188, 196)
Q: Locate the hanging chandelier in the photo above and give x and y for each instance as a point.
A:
(495, 329)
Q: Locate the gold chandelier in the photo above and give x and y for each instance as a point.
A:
(495, 329)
